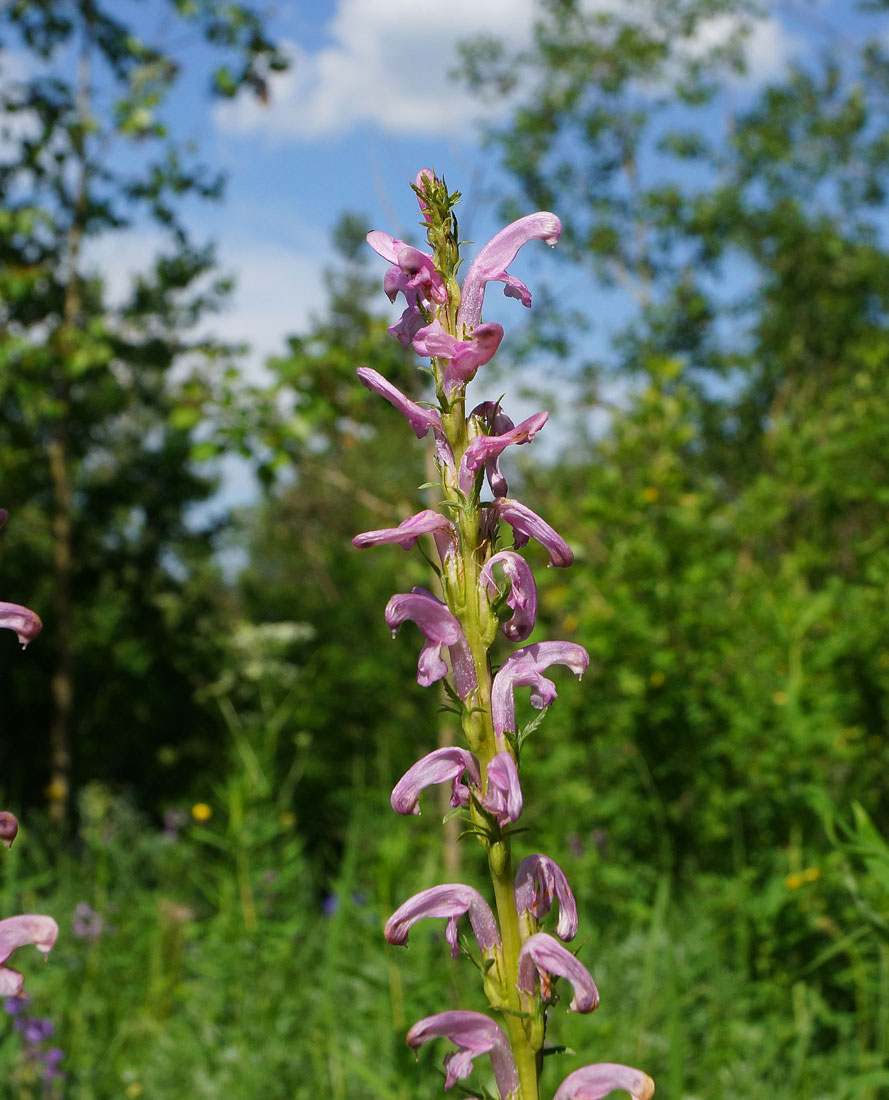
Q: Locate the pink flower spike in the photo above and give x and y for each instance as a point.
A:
(491, 263)
(450, 901)
(474, 1034)
(16, 932)
(9, 828)
(538, 880)
(521, 595)
(595, 1082)
(504, 797)
(441, 766)
(527, 524)
(524, 668)
(483, 448)
(420, 419)
(409, 530)
(542, 953)
(22, 620)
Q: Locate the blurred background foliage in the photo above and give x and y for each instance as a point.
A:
(201, 755)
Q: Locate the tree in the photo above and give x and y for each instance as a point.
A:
(101, 390)
(734, 515)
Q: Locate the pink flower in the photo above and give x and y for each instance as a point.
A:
(525, 668)
(25, 622)
(595, 1082)
(543, 954)
(440, 628)
(441, 766)
(450, 901)
(538, 880)
(412, 274)
(491, 263)
(521, 592)
(16, 932)
(504, 798)
(409, 530)
(464, 357)
(474, 1034)
(527, 524)
(484, 449)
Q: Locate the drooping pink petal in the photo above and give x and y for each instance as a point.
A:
(483, 448)
(474, 1034)
(441, 766)
(525, 668)
(438, 625)
(527, 524)
(15, 932)
(496, 256)
(494, 421)
(440, 628)
(596, 1082)
(450, 901)
(419, 418)
(409, 530)
(521, 595)
(22, 620)
(538, 880)
(541, 953)
(504, 794)
(9, 828)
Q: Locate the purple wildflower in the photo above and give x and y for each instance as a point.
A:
(595, 1082)
(492, 261)
(464, 357)
(543, 954)
(87, 923)
(440, 628)
(504, 795)
(538, 880)
(474, 1034)
(524, 668)
(521, 594)
(409, 530)
(441, 766)
(527, 524)
(484, 449)
(450, 901)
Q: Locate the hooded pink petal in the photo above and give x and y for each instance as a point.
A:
(541, 953)
(496, 256)
(474, 1034)
(596, 1082)
(441, 766)
(450, 901)
(464, 357)
(22, 620)
(409, 530)
(15, 932)
(525, 668)
(504, 795)
(440, 628)
(527, 524)
(484, 448)
(538, 880)
(521, 592)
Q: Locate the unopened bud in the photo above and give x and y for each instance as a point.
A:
(9, 827)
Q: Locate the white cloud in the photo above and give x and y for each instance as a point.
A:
(767, 48)
(387, 64)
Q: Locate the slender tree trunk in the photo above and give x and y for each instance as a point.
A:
(62, 680)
